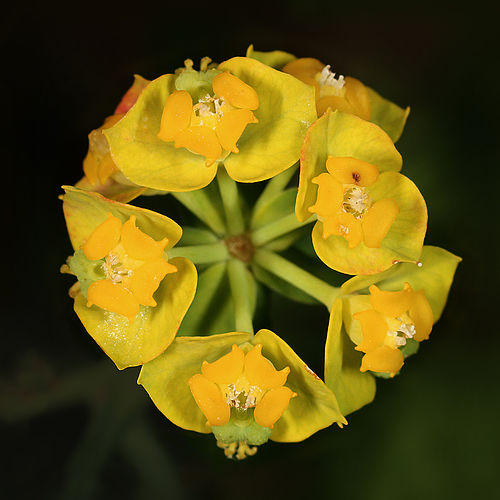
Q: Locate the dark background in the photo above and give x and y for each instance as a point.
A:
(74, 427)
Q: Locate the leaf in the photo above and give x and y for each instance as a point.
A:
(402, 243)
(340, 134)
(387, 115)
(352, 388)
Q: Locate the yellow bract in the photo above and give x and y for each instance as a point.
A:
(394, 318)
(98, 165)
(241, 381)
(346, 209)
(213, 125)
(134, 266)
(343, 94)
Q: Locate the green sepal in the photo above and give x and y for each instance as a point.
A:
(315, 406)
(85, 210)
(86, 271)
(242, 427)
(147, 160)
(286, 109)
(277, 59)
(276, 207)
(166, 377)
(433, 274)
(387, 115)
(197, 83)
(153, 328)
(403, 242)
(340, 134)
(352, 388)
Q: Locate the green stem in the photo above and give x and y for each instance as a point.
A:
(235, 222)
(275, 229)
(200, 204)
(201, 254)
(293, 274)
(275, 185)
(238, 281)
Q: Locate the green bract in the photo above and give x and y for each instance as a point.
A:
(286, 109)
(166, 381)
(274, 58)
(153, 329)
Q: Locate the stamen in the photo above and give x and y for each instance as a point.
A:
(327, 78)
(356, 201)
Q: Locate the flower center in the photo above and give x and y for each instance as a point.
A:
(356, 201)
(241, 396)
(114, 270)
(401, 332)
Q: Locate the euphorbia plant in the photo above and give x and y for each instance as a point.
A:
(180, 299)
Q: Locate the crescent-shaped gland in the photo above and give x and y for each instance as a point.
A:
(378, 221)
(146, 279)
(139, 245)
(421, 314)
(114, 298)
(330, 196)
(231, 126)
(272, 405)
(200, 140)
(103, 239)
(384, 359)
(176, 115)
(260, 372)
(227, 369)
(235, 91)
(348, 170)
(210, 400)
(392, 304)
(374, 328)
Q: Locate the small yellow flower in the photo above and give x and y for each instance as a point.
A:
(134, 266)
(241, 381)
(341, 93)
(395, 317)
(212, 126)
(346, 208)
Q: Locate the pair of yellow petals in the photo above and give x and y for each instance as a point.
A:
(250, 377)
(206, 131)
(134, 266)
(351, 98)
(390, 310)
(344, 206)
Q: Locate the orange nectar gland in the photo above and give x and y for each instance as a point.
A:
(133, 263)
(338, 93)
(215, 123)
(241, 381)
(345, 207)
(394, 318)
